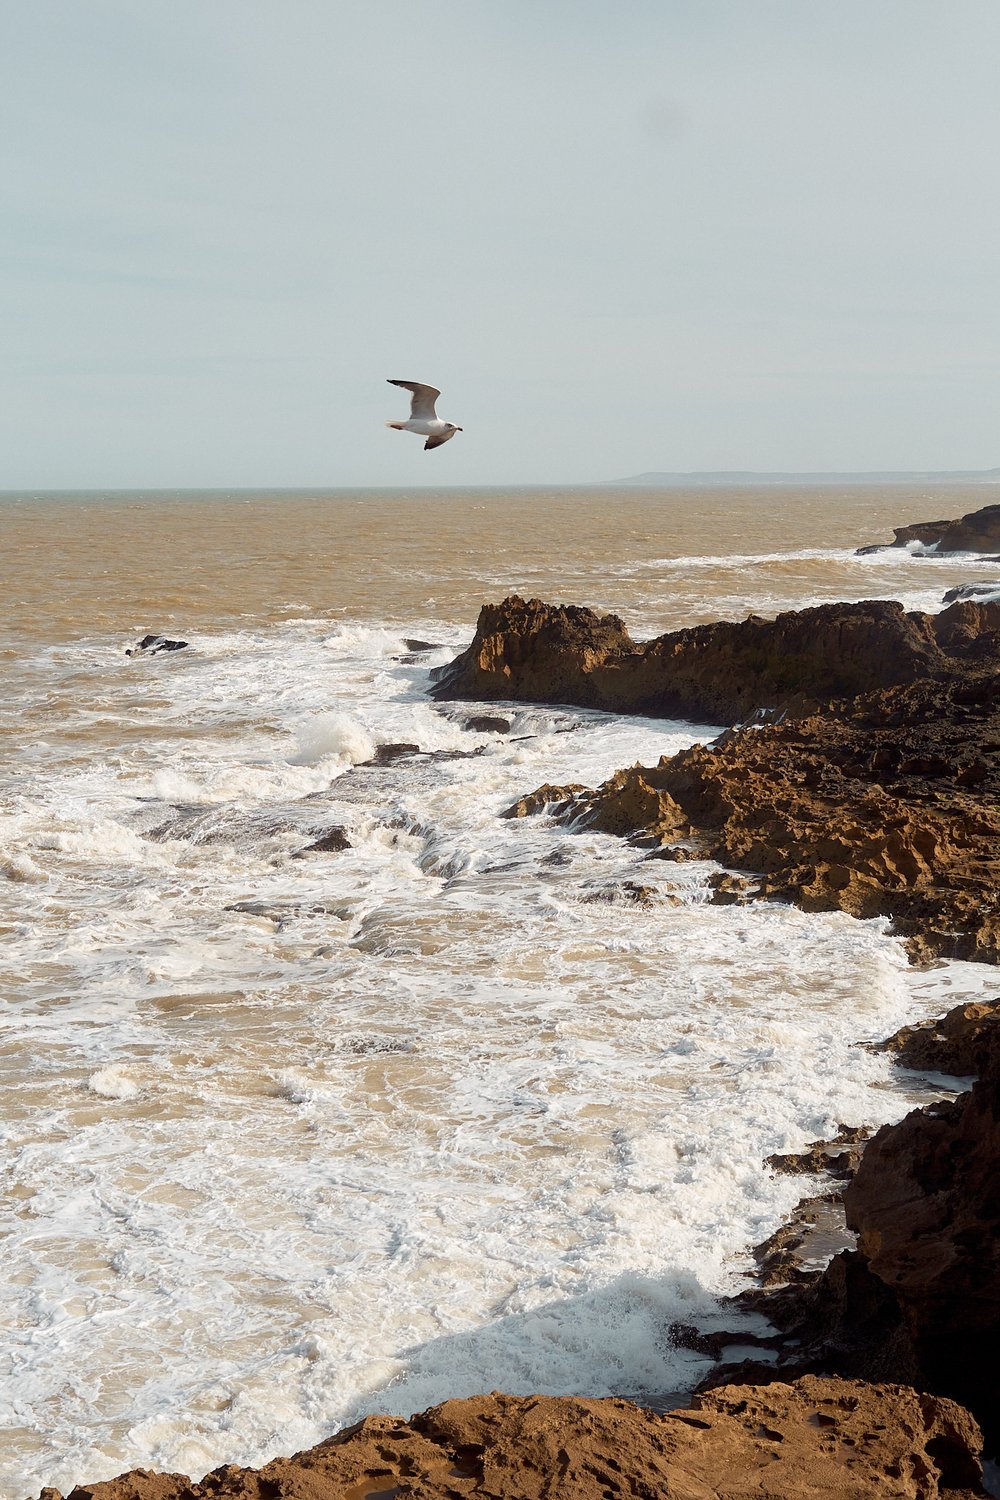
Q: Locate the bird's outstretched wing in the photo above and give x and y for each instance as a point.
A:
(435, 442)
(423, 399)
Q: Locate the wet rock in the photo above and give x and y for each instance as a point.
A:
(838, 1157)
(387, 755)
(332, 841)
(888, 805)
(955, 1043)
(629, 892)
(417, 647)
(978, 531)
(990, 590)
(926, 1209)
(282, 911)
(728, 889)
(488, 724)
(919, 1300)
(812, 1440)
(152, 645)
(545, 799)
(815, 1230)
(535, 652)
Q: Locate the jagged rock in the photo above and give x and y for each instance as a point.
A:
(839, 1157)
(731, 890)
(545, 799)
(814, 1230)
(632, 893)
(152, 645)
(535, 652)
(926, 1207)
(919, 1300)
(333, 841)
(812, 1440)
(978, 531)
(887, 806)
(417, 646)
(955, 1043)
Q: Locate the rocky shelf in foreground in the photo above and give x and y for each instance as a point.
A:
(816, 1438)
(530, 651)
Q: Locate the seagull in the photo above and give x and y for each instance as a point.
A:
(423, 418)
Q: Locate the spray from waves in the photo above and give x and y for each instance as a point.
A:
(333, 736)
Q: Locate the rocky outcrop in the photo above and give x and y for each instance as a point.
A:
(979, 531)
(152, 645)
(887, 806)
(925, 1203)
(957, 1043)
(723, 672)
(821, 1439)
(919, 1299)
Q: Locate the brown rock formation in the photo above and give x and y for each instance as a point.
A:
(821, 1439)
(978, 531)
(919, 1300)
(544, 653)
(956, 1043)
(888, 806)
(925, 1203)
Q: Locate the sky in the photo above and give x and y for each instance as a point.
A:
(619, 235)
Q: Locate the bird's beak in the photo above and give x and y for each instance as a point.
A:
(459, 429)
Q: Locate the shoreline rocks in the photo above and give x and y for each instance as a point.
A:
(978, 531)
(884, 801)
(530, 651)
(807, 1440)
(888, 806)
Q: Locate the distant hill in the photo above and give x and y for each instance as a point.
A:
(656, 479)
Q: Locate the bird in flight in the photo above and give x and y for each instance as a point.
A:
(423, 418)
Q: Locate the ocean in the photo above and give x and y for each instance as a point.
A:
(290, 1137)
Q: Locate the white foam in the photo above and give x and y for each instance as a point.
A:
(424, 1119)
(114, 1082)
(336, 735)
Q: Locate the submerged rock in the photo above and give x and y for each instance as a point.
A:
(332, 841)
(988, 591)
(530, 651)
(152, 645)
(821, 1439)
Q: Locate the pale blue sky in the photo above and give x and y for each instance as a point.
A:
(650, 234)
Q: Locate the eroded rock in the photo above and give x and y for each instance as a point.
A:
(821, 1439)
(885, 806)
(955, 1043)
(535, 652)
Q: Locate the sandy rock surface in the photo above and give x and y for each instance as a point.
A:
(825, 1439)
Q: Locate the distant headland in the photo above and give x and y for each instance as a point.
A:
(656, 479)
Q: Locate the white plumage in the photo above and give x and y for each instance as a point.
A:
(424, 420)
